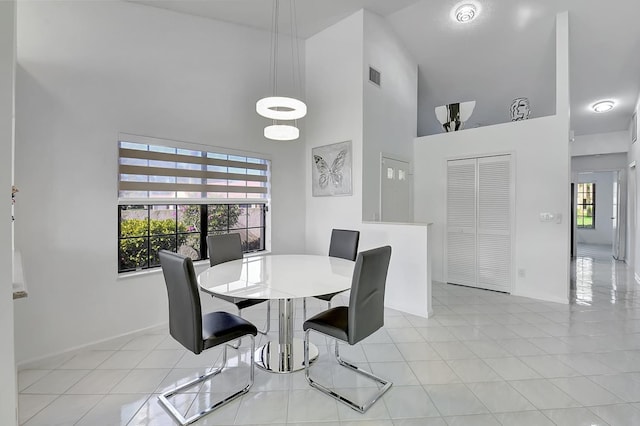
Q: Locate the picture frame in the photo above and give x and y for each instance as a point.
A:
(634, 127)
(331, 168)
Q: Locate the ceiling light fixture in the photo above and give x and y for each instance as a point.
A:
(280, 108)
(603, 106)
(281, 132)
(466, 13)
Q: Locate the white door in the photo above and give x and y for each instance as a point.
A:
(395, 191)
(480, 196)
(619, 216)
(461, 222)
(494, 223)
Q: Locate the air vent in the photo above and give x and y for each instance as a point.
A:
(374, 76)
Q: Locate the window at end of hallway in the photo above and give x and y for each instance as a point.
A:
(586, 206)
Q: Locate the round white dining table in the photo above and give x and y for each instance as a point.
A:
(282, 278)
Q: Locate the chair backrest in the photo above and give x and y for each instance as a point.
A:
(344, 244)
(185, 314)
(224, 248)
(366, 303)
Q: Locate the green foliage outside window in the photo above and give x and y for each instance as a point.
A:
(134, 251)
(145, 230)
(219, 217)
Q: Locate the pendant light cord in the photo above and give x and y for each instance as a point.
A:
(283, 108)
(295, 50)
(274, 47)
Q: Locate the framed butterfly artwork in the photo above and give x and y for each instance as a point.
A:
(331, 170)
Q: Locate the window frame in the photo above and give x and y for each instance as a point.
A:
(202, 233)
(582, 207)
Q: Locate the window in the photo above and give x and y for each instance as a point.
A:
(183, 228)
(172, 197)
(586, 205)
(156, 172)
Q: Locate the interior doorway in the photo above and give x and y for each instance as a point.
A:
(620, 215)
(600, 212)
(395, 190)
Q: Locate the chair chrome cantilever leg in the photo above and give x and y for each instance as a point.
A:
(268, 327)
(164, 398)
(361, 408)
(265, 331)
(304, 309)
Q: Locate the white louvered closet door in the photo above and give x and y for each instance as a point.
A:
(479, 222)
(494, 223)
(461, 222)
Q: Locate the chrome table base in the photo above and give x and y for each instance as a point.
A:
(287, 354)
(278, 358)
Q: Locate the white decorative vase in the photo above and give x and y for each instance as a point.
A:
(453, 116)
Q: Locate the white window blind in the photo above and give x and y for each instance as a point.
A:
(150, 173)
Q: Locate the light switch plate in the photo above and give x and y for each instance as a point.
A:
(546, 217)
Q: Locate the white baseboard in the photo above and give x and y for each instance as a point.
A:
(542, 297)
(402, 309)
(24, 364)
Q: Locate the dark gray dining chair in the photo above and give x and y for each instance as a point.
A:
(198, 332)
(353, 323)
(225, 248)
(343, 244)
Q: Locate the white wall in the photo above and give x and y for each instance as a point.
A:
(410, 266)
(603, 231)
(334, 90)
(542, 177)
(604, 162)
(633, 210)
(336, 83)
(88, 70)
(542, 185)
(601, 143)
(390, 111)
(7, 72)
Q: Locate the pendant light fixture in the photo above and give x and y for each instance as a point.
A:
(284, 111)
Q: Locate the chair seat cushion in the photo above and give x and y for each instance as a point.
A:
(246, 303)
(333, 322)
(220, 327)
(240, 303)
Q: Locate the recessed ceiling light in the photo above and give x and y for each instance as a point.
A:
(603, 106)
(466, 13)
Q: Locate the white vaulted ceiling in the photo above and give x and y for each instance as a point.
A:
(507, 52)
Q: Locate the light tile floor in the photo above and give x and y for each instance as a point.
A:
(484, 358)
